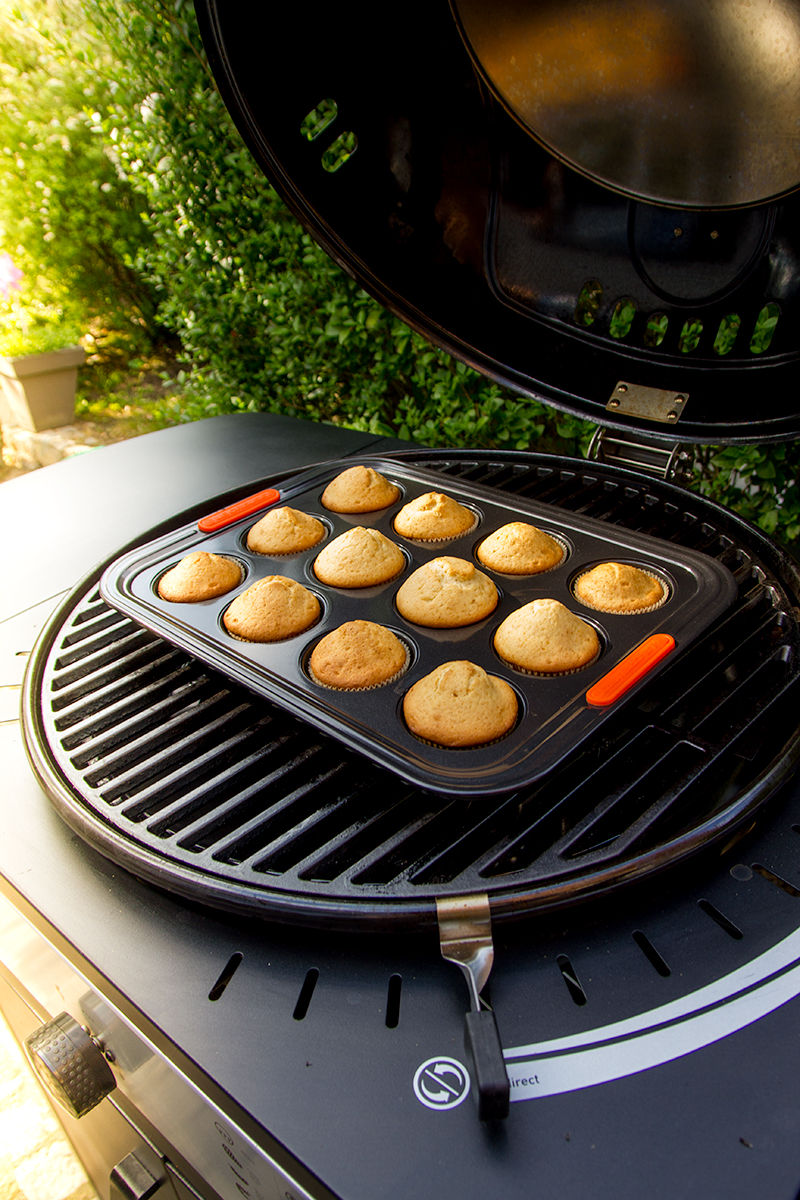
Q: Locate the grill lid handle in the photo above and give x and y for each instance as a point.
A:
(465, 938)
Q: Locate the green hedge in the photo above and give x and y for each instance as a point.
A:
(67, 218)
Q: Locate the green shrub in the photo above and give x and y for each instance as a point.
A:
(761, 483)
(66, 216)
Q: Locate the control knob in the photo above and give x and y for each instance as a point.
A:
(71, 1064)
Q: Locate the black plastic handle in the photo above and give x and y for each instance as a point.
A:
(482, 1044)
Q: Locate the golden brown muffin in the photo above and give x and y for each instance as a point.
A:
(359, 558)
(433, 518)
(359, 490)
(446, 593)
(547, 638)
(271, 610)
(458, 704)
(285, 531)
(520, 549)
(359, 654)
(619, 588)
(199, 576)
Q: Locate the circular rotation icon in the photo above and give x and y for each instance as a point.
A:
(441, 1083)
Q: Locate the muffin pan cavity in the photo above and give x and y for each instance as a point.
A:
(555, 715)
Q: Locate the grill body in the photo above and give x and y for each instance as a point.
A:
(658, 1020)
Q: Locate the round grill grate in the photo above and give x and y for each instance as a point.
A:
(197, 786)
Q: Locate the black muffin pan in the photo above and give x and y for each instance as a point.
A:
(554, 713)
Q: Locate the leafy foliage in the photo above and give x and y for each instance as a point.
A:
(67, 218)
(761, 483)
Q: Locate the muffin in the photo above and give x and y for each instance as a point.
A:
(359, 558)
(619, 588)
(446, 593)
(434, 517)
(271, 610)
(285, 531)
(546, 638)
(359, 654)
(359, 490)
(458, 704)
(199, 576)
(520, 549)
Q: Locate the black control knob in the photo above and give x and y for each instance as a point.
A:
(70, 1064)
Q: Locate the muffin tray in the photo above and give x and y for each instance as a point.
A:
(556, 714)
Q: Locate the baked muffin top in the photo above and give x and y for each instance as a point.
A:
(285, 531)
(359, 558)
(271, 610)
(359, 654)
(433, 517)
(520, 549)
(359, 490)
(199, 576)
(619, 588)
(545, 637)
(446, 593)
(459, 704)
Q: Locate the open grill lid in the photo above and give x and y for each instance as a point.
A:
(408, 170)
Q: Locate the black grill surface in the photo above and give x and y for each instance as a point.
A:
(195, 785)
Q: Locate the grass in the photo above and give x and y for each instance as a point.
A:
(124, 391)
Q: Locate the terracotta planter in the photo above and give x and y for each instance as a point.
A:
(37, 391)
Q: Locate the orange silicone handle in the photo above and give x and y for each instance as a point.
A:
(234, 512)
(633, 667)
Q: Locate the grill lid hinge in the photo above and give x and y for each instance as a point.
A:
(672, 462)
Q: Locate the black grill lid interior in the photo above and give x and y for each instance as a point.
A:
(379, 132)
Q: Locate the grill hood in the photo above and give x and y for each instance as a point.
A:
(409, 159)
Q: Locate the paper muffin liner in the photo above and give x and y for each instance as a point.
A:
(565, 550)
(549, 674)
(285, 553)
(630, 612)
(360, 587)
(372, 687)
(451, 537)
(475, 745)
(272, 641)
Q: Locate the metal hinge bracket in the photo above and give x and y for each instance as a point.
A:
(649, 404)
(671, 461)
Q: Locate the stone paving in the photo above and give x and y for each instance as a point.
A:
(36, 1160)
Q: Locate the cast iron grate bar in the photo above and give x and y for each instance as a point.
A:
(310, 771)
(131, 655)
(136, 708)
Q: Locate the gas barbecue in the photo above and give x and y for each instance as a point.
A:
(227, 921)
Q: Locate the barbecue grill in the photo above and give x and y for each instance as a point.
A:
(237, 914)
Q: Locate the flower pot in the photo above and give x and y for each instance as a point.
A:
(37, 391)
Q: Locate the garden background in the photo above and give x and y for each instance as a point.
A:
(141, 224)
